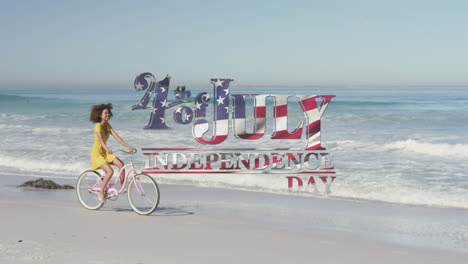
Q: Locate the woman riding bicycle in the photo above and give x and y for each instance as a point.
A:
(101, 155)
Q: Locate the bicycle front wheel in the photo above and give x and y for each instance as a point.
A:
(88, 188)
(143, 194)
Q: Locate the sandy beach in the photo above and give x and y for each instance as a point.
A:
(200, 225)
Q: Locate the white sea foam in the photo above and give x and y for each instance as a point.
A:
(44, 130)
(397, 193)
(21, 117)
(392, 192)
(459, 151)
(10, 126)
(409, 146)
(54, 166)
(60, 130)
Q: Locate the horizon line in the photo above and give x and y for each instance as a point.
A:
(241, 86)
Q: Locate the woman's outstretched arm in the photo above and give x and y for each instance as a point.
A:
(120, 140)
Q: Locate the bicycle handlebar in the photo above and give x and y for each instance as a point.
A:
(129, 152)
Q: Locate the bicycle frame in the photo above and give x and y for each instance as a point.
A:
(129, 172)
(114, 192)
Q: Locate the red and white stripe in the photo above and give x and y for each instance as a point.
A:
(280, 114)
(314, 113)
(240, 131)
(221, 131)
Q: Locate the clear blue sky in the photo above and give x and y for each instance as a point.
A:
(73, 44)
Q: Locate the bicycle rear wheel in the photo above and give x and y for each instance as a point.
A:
(87, 189)
(143, 194)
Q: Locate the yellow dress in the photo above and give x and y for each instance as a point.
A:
(98, 153)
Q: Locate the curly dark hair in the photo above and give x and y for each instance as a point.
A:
(96, 112)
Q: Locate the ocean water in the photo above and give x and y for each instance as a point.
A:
(404, 146)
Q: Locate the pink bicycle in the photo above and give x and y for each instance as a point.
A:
(142, 192)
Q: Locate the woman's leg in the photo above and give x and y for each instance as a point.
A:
(107, 176)
(117, 162)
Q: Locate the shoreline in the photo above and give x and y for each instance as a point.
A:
(292, 193)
